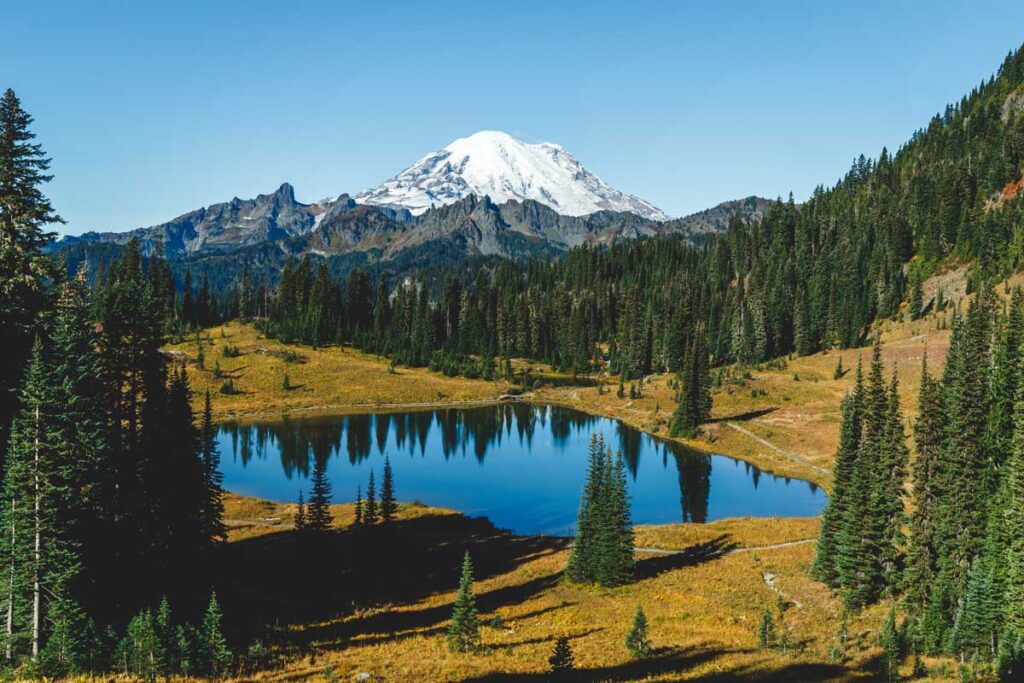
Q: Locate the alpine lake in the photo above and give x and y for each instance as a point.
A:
(522, 466)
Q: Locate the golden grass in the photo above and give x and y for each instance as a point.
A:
(703, 609)
(330, 379)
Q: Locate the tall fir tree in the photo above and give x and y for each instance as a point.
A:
(388, 506)
(318, 512)
(212, 513)
(24, 269)
(825, 567)
(464, 630)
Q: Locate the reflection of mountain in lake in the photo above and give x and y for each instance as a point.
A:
(529, 463)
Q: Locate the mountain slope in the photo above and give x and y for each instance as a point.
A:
(494, 164)
(225, 226)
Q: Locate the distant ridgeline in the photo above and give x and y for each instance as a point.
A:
(799, 278)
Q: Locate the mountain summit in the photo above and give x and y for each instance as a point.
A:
(495, 164)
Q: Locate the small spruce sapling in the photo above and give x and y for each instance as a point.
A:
(637, 641)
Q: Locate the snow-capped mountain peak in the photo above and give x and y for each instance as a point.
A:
(498, 165)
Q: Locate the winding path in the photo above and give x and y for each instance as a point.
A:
(768, 444)
(746, 549)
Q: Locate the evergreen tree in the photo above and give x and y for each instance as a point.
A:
(215, 653)
(166, 640)
(637, 641)
(300, 514)
(388, 507)
(24, 269)
(615, 529)
(359, 506)
(583, 559)
(139, 652)
(464, 630)
(891, 654)
(916, 299)
(371, 513)
(212, 513)
(921, 554)
(318, 515)
(826, 559)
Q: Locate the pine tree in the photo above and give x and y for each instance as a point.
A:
(637, 641)
(166, 640)
(318, 515)
(889, 491)
(916, 299)
(212, 513)
(561, 660)
(388, 507)
(464, 630)
(862, 539)
(215, 652)
(921, 553)
(891, 654)
(826, 559)
(615, 535)
(39, 559)
(371, 514)
(582, 564)
(359, 506)
(24, 268)
(139, 651)
(300, 514)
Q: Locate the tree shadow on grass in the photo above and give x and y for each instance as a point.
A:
(696, 554)
(298, 579)
(675, 660)
(661, 661)
(743, 417)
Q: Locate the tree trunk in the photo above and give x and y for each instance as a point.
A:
(36, 588)
(10, 589)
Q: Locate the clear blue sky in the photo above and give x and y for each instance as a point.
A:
(152, 109)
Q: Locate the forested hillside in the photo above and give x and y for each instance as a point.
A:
(806, 277)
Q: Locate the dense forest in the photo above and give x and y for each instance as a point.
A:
(111, 484)
(956, 561)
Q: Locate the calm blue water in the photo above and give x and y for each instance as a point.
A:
(519, 465)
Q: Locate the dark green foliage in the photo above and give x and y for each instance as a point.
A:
(212, 513)
(371, 512)
(24, 269)
(561, 660)
(388, 506)
(359, 506)
(318, 513)
(214, 652)
(637, 641)
(693, 392)
(602, 551)
(891, 653)
(922, 562)
(300, 514)
(838, 372)
(916, 299)
(464, 630)
(860, 546)
(825, 567)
